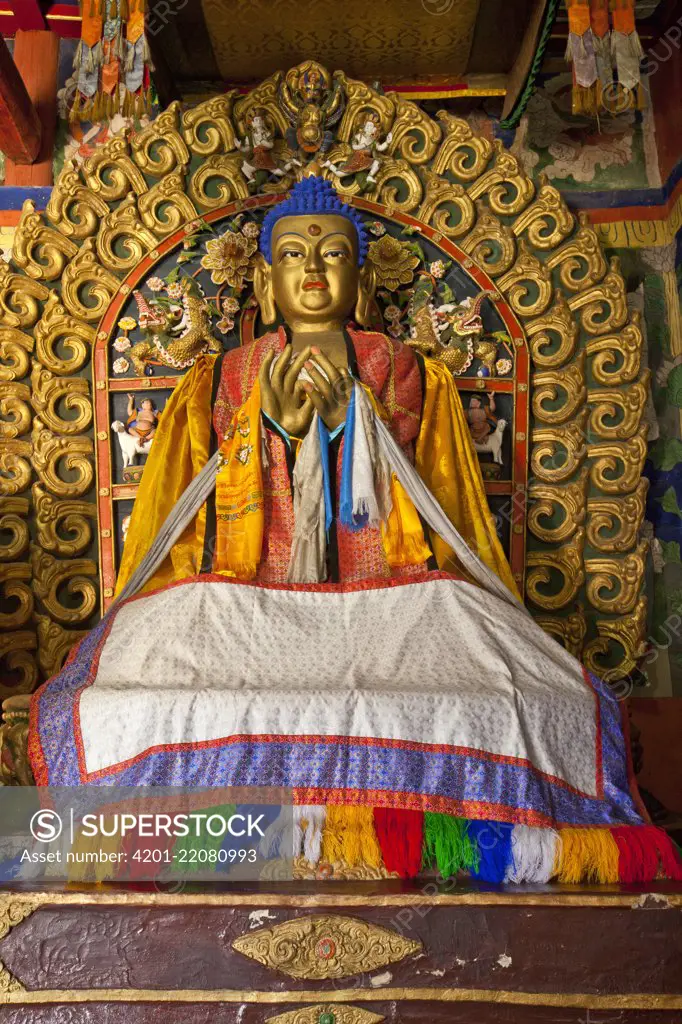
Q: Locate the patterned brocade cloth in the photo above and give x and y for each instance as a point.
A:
(424, 694)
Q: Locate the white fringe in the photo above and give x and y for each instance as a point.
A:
(533, 854)
(293, 834)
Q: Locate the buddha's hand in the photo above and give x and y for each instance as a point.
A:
(330, 391)
(283, 397)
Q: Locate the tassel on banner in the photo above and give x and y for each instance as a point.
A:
(627, 54)
(580, 52)
(110, 68)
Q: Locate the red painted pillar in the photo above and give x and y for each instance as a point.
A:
(36, 56)
(20, 127)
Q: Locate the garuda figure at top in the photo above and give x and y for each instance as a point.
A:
(313, 595)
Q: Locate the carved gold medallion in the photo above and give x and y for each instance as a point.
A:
(319, 948)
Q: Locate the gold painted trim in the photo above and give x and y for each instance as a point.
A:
(584, 1000)
(448, 94)
(606, 896)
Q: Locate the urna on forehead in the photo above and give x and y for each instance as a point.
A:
(316, 200)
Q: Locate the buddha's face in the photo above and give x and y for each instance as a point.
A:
(314, 274)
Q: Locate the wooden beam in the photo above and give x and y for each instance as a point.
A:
(36, 56)
(20, 127)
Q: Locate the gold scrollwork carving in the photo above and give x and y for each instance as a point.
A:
(462, 153)
(55, 332)
(48, 392)
(558, 451)
(613, 523)
(580, 261)
(74, 209)
(87, 288)
(553, 337)
(17, 657)
(547, 221)
(528, 285)
(625, 405)
(415, 134)
(546, 501)
(123, 240)
(566, 563)
(506, 184)
(320, 947)
(207, 128)
(603, 308)
(54, 516)
(617, 358)
(570, 630)
(563, 389)
(614, 583)
(13, 513)
(111, 174)
(51, 574)
(15, 349)
(160, 148)
(51, 452)
(15, 468)
(40, 251)
(15, 770)
(339, 1013)
(398, 187)
(14, 409)
(617, 465)
(14, 577)
(442, 202)
(20, 298)
(166, 207)
(490, 243)
(223, 174)
(628, 632)
(54, 644)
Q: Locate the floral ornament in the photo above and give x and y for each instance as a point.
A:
(394, 314)
(230, 306)
(225, 324)
(394, 262)
(155, 284)
(503, 367)
(122, 344)
(127, 323)
(376, 228)
(437, 268)
(251, 229)
(175, 290)
(228, 258)
(121, 365)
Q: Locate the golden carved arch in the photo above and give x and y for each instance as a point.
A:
(107, 219)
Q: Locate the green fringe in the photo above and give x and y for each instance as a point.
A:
(447, 844)
(204, 841)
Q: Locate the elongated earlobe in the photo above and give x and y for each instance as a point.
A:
(262, 289)
(366, 289)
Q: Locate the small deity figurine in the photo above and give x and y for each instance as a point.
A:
(366, 147)
(259, 145)
(481, 418)
(141, 423)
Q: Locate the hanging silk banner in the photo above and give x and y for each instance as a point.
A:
(112, 62)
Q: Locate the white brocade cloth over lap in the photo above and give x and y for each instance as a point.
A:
(429, 694)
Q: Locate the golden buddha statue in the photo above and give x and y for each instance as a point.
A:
(312, 273)
(312, 595)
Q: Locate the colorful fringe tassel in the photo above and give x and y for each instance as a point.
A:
(603, 43)
(407, 842)
(401, 838)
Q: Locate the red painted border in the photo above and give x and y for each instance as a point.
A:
(102, 384)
